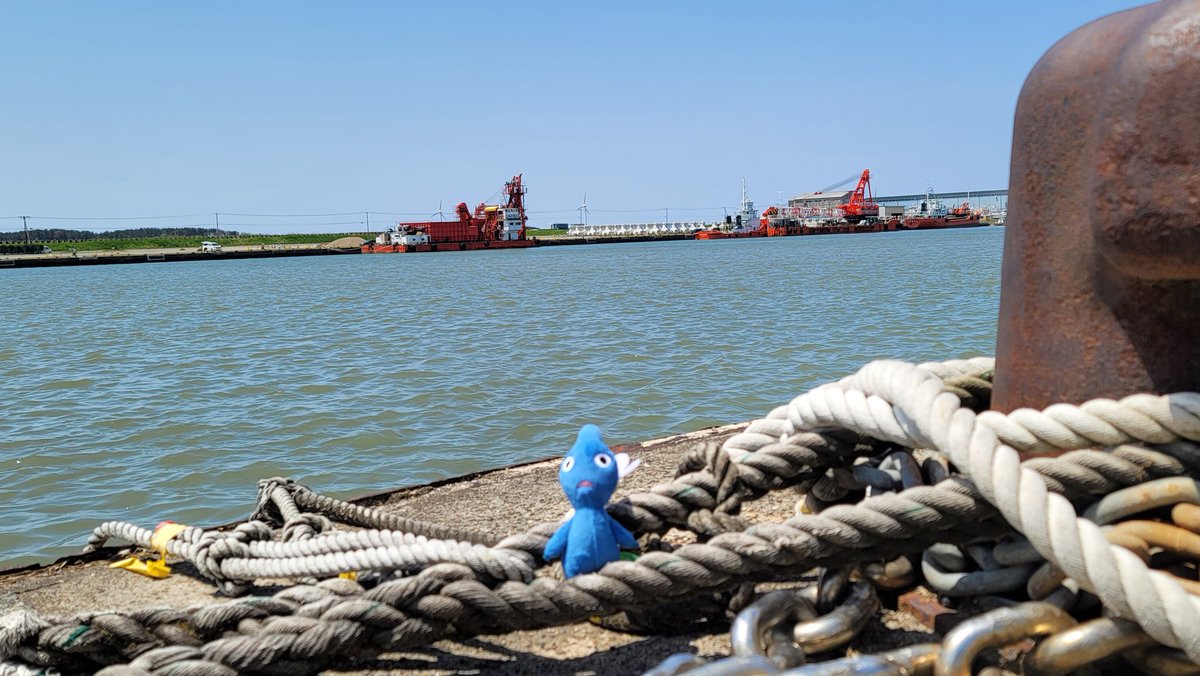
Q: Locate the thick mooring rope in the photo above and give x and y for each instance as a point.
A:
(699, 499)
(768, 455)
(288, 496)
(899, 402)
(248, 553)
(304, 628)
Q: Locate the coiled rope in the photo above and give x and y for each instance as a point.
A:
(304, 628)
(902, 403)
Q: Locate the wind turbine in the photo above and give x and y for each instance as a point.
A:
(441, 216)
(583, 211)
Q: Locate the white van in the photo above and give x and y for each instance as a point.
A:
(210, 247)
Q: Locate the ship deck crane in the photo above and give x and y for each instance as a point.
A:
(515, 191)
(862, 201)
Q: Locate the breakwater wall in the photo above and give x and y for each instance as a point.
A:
(54, 260)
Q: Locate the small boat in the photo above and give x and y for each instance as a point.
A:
(745, 223)
(930, 214)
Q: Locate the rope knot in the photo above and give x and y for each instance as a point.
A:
(214, 547)
(305, 527)
(264, 507)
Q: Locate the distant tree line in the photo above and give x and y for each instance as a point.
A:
(59, 235)
(9, 249)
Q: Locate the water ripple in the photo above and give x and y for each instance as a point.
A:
(145, 393)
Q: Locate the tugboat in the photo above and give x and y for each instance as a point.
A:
(492, 226)
(744, 223)
(930, 214)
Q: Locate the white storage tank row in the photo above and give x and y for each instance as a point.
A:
(626, 229)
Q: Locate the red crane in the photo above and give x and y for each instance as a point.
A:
(493, 221)
(489, 226)
(516, 199)
(862, 201)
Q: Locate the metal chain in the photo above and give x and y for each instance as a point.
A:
(1062, 645)
(804, 631)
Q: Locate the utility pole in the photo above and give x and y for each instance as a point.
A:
(217, 219)
(368, 215)
(667, 215)
(25, 221)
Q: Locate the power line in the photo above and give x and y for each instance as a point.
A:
(174, 226)
(340, 213)
(403, 213)
(657, 209)
(285, 225)
(106, 218)
(226, 213)
(326, 215)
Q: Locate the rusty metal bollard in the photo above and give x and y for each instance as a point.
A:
(1101, 276)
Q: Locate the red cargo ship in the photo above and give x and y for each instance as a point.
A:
(934, 217)
(862, 214)
(732, 234)
(492, 226)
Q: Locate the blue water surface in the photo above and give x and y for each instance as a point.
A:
(165, 391)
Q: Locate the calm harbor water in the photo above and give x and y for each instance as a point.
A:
(151, 392)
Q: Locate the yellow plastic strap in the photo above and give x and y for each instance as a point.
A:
(155, 568)
(350, 575)
(163, 534)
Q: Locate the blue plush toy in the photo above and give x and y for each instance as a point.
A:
(589, 475)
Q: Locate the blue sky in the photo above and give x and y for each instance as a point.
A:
(150, 108)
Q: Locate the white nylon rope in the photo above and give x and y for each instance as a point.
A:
(906, 404)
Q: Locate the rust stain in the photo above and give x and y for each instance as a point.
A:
(1101, 275)
(921, 607)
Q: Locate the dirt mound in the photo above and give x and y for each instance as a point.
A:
(347, 243)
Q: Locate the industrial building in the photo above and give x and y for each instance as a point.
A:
(832, 198)
(820, 200)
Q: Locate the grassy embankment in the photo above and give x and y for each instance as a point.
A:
(124, 243)
(191, 242)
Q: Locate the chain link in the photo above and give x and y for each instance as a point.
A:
(800, 632)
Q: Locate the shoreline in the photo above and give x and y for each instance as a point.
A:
(127, 256)
(130, 256)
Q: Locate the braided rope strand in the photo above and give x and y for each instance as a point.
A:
(903, 403)
(302, 628)
(447, 599)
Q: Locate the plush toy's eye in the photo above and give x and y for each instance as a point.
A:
(568, 464)
(602, 460)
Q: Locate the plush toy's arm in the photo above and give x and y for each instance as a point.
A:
(557, 543)
(623, 536)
